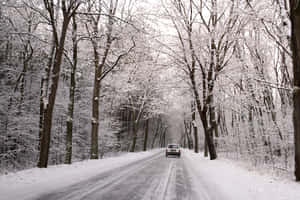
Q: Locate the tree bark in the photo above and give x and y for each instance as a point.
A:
(206, 80)
(94, 154)
(99, 66)
(134, 131)
(46, 135)
(69, 136)
(156, 133)
(188, 132)
(203, 116)
(68, 10)
(184, 140)
(44, 91)
(163, 137)
(205, 148)
(295, 32)
(195, 129)
(41, 114)
(191, 67)
(146, 135)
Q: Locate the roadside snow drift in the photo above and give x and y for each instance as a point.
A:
(225, 180)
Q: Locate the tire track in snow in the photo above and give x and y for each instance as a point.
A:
(165, 186)
(139, 185)
(114, 180)
(154, 178)
(101, 182)
(183, 183)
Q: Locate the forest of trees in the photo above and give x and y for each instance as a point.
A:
(81, 79)
(78, 79)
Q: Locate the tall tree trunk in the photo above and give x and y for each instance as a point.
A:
(161, 137)
(211, 72)
(156, 133)
(23, 78)
(184, 140)
(195, 129)
(68, 10)
(134, 131)
(203, 109)
(205, 148)
(41, 114)
(69, 136)
(44, 91)
(165, 136)
(27, 55)
(146, 135)
(203, 116)
(295, 19)
(94, 154)
(135, 126)
(212, 115)
(99, 75)
(188, 131)
(128, 122)
(46, 135)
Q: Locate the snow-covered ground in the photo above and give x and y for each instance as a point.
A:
(31, 183)
(208, 180)
(225, 179)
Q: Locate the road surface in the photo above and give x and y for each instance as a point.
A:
(154, 178)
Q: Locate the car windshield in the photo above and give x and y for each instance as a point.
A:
(173, 146)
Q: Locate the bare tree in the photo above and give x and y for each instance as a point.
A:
(68, 9)
(205, 59)
(195, 128)
(95, 12)
(295, 19)
(73, 63)
(146, 135)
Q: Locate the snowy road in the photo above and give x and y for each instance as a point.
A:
(145, 176)
(156, 177)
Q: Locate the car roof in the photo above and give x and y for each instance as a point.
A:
(174, 144)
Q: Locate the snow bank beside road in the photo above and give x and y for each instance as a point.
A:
(31, 183)
(227, 179)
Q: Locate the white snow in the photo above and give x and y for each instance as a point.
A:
(31, 183)
(226, 180)
(219, 179)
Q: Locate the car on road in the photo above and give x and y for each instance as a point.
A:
(173, 149)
